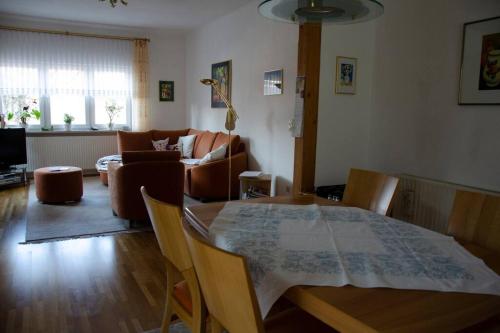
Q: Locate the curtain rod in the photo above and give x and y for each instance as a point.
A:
(67, 33)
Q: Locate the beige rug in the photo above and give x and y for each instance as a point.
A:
(91, 216)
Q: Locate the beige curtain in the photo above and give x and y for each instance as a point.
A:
(140, 110)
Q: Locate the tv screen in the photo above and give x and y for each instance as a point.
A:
(12, 147)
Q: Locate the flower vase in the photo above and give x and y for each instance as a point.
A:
(23, 125)
(67, 127)
(110, 126)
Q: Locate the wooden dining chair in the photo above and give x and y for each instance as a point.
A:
(370, 190)
(475, 218)
(183, 292)
(230, 297)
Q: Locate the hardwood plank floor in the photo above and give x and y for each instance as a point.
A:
(101, 284)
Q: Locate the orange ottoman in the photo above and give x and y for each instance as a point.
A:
(58, 184)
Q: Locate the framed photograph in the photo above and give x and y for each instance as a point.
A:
(345, 79)
(222, 73)
(166, 91)
(480, 71)
(273, 82)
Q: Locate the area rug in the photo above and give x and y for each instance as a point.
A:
(91, 216)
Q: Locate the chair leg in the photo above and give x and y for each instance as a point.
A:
(215, 326)
(167, 313)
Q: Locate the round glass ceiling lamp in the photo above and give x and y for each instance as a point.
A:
(323, 11)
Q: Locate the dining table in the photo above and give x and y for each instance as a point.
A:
(354, 309)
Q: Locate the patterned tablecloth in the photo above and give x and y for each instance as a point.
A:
(288, 245)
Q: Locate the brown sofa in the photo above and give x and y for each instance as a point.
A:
(208, 181)
(160, 172)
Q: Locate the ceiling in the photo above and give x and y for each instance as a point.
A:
(173, 14)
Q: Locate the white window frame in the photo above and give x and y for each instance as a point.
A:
(45, 119)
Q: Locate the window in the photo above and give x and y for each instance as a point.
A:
(67, 74)
(73, 105)
(101, 115)
(15, 107)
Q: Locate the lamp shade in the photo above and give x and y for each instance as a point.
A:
(321, 11)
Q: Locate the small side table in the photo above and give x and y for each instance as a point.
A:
(255, 187)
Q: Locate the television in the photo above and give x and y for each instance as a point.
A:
(12, 147)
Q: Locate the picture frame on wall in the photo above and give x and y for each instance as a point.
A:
(346, 75)
(166, 91)
(222, 73)
(480, 69)
(273, 82)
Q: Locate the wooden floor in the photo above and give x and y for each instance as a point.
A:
(100, 284)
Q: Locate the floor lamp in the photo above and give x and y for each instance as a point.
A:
(231, 117)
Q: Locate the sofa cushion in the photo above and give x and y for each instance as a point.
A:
(214, 155)
(186, 144)
(160, 145)
(143, 156)
(172, 135)
(204, 144)
(134, 141)
(222, 138)
(196, 132)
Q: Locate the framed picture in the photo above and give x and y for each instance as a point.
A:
(480, 71)
(222, 73)
(273, 82)
(345, 80)
(166, 91)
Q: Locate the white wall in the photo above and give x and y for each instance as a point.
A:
(255, 45)
(344, 120)
(167, 61)
(417, 127)
(405, 117)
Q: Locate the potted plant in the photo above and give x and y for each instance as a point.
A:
(112, 109)
(68, 119)
(24, 110)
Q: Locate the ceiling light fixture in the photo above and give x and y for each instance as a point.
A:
(321, 11)
(114, 2)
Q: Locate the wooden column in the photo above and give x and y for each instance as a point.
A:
(305, 147)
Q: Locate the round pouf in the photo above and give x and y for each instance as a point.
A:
(59, 184)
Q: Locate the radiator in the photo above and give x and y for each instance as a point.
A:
(425, 202)
(80, 151)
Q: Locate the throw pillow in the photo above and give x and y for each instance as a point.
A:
(214, 155)
(187, 144)
(160, 145)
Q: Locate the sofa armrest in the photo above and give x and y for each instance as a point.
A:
(162, 179)
(210, 180)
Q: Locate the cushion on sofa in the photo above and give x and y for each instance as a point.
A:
(204, 144)
(160, 145)
(173, 135)
(221, 139)
(134, 141)
(196, 132)
(142, 156)
(186, 144)
(214, 155)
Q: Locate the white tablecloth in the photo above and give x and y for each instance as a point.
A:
(288, 245)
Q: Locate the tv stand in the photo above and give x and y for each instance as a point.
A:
(12, 177)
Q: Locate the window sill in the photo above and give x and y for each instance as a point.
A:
(35, 133)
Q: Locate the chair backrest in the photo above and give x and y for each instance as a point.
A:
(370, 190)
(166, 221)
(475, 218)
(226, 286)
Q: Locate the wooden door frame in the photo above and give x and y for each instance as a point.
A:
(309, 58)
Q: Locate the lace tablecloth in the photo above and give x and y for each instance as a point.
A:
(288, 245)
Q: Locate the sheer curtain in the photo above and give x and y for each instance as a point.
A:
(68, 69)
